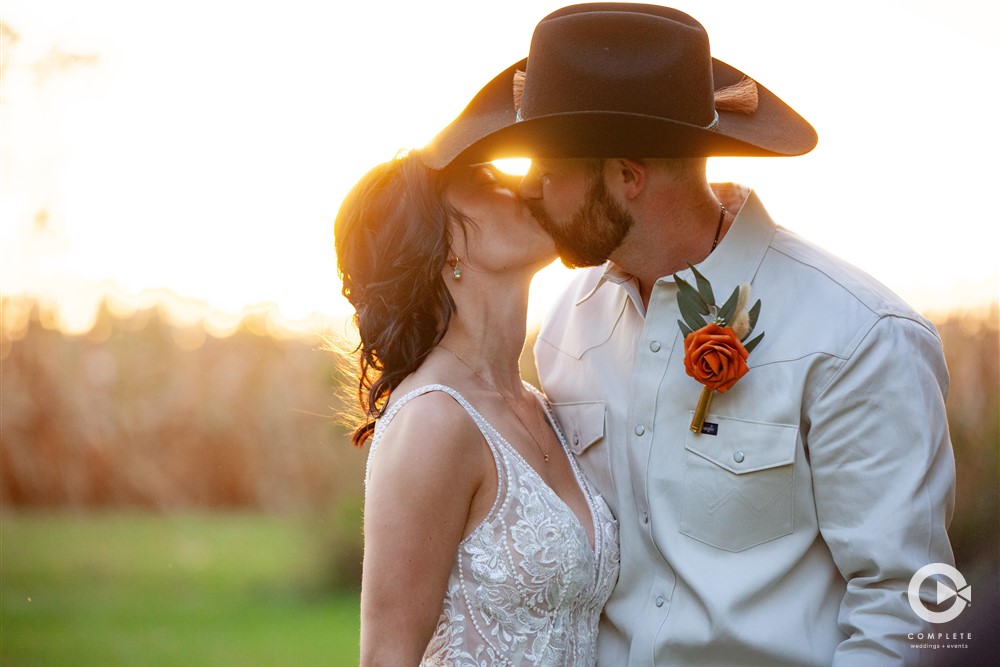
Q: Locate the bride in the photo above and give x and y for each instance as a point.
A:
(484, 544)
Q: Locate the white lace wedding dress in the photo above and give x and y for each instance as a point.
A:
(526, 587)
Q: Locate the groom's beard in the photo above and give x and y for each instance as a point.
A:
(594, 232)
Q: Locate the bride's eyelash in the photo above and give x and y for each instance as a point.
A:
(487, 176)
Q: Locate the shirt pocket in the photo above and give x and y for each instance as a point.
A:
(583, 424)
(738, 484)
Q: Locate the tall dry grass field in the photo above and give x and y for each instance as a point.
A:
(140, 413)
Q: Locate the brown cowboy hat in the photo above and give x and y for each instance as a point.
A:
(620, 80)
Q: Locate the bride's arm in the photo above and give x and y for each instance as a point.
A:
(425, 478)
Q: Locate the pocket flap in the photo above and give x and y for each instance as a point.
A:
(742, 446)
(582, 423)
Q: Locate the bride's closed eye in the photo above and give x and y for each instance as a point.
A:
(486, 175)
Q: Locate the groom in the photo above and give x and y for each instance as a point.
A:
(783, 526)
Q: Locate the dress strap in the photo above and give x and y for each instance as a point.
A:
(484, 426)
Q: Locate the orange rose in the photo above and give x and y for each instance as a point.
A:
(715, 357)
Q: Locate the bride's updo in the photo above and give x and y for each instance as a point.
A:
(393, 236)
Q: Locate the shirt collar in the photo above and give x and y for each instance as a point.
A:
(613, 274)
(733, 262)
(741, 250)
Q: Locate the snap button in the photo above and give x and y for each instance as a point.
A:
(640, 429)
(659, 600)
(655, 346)
(738, 456)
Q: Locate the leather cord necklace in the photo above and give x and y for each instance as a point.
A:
(718, 228)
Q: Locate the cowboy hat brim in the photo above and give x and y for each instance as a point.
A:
(488, 129)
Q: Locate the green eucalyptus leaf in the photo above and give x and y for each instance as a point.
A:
(752, 344)
(704, 286)
(685, 329)
(690, 312)
(684, 289)
(729, 307)
(754, 314)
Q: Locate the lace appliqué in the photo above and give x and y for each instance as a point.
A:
(526, 587)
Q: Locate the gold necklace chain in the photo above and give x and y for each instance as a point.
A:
(504, 399)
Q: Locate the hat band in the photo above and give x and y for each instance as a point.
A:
(711, 126)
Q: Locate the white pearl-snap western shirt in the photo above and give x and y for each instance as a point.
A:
(787, 537)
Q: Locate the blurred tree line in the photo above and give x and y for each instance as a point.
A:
(144, 413)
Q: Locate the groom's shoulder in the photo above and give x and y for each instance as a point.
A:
(830, 280)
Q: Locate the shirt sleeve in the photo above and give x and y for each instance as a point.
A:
(884, 480)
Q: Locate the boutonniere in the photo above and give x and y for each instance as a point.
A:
(715, 351)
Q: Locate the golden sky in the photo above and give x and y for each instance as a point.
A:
(203, 146)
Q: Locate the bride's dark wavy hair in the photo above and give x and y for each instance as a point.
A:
(392, 236)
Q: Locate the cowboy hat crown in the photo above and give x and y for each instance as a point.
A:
(619, 80)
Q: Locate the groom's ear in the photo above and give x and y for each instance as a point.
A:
(629, 176)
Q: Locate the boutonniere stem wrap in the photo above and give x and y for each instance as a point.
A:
(715, 338)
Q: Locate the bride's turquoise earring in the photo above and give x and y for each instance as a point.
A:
(457, 272)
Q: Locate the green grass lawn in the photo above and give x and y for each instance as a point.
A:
(152, 590)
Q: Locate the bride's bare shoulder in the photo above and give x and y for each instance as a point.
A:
(432, 427)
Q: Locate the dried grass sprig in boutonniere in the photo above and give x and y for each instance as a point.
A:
(715, 353)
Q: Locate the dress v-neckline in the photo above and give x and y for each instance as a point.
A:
(593, 540)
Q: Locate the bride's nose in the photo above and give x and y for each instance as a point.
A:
(510, 181)
(531, 185)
